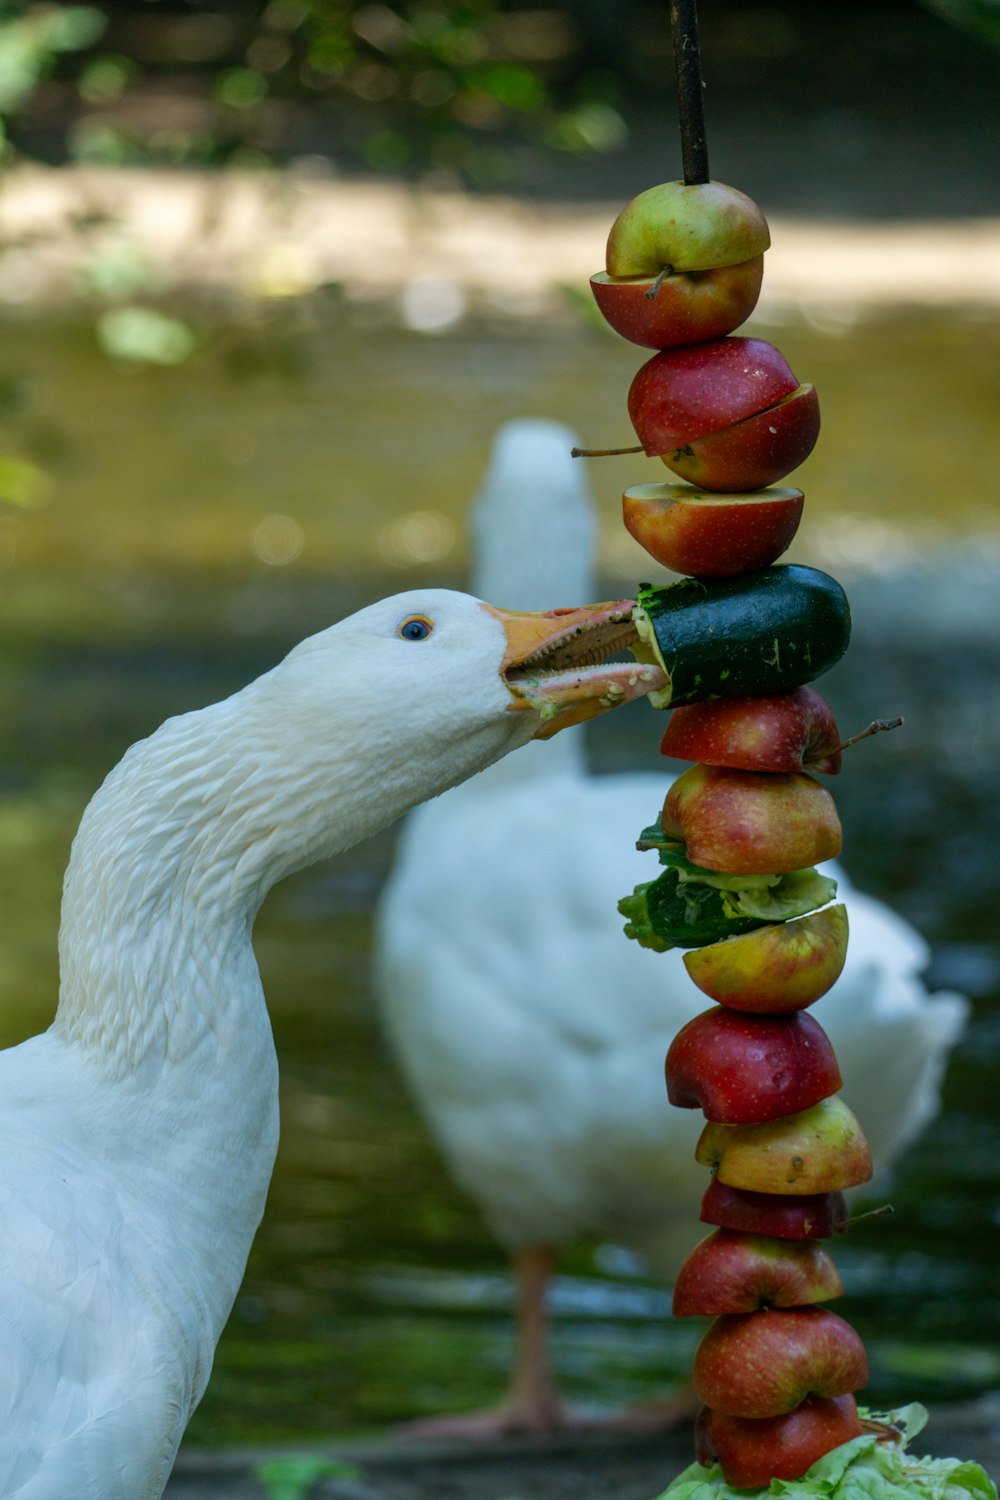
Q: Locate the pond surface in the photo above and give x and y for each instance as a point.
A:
(193, 522)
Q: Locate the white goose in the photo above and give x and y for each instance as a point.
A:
(139, 1131)
(531, 1030)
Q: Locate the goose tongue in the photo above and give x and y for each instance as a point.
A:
(556, 662)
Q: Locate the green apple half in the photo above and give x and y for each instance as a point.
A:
(818, 1150)
(685, 227)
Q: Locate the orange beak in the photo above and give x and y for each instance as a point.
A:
(555, 663)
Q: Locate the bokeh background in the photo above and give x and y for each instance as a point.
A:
(270, 277)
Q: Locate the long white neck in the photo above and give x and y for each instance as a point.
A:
(161, 1030)
(179, 847)
(167, 871)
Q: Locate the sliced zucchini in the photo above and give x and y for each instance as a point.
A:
(732, 637)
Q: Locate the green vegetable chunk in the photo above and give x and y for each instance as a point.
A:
(688, 907)
(759, 633)
(664, 914)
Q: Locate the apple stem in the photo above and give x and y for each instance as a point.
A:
(690, 89)
(603, 452)
(654, 287)
(871, 1213)
(884, 1431)
(875, 727)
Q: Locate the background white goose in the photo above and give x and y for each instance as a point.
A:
(139, 1132)
(531, 1030)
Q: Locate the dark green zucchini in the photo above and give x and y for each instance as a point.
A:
(759, 633)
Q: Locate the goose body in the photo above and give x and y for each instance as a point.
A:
(531, 1030)
(140, 1130)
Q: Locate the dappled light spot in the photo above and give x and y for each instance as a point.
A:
(283, 270)
(145, 336)
(430, 304)
(421, 536)
(278, 540)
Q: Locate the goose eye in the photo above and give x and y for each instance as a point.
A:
(416, 628)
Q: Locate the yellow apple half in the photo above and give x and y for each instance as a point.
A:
(773, 969)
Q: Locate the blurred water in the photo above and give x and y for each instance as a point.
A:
(192, 523)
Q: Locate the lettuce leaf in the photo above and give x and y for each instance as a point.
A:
(663, 914)
(862, 1469)
(688, 906)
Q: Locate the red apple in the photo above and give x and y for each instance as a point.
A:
(805, 1216)
(751, 822)
(687, 307)
(764, 1363)
(686, 227)
(730, 1272)
(683, 394)
(793, 731)
(752, 1452)
(819, 1150)
(754, 452)
(783, 967)
(743, 1069)
(711, 535)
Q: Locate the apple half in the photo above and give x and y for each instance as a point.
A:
(764, 1364)
(683, 394)
(709, 534)
(793, 731)
(801, 1216)
(730, 1272)
(683, 307)
(753, 1452)
(786, 966)
(754, 452)
(751, 822)
(746, 1069)
(687, 227)
(819, 1150)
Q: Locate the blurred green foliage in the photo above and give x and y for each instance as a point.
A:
(295, 1478)
(980, 16)
(32, 37)
(447, 86)
(478, 93)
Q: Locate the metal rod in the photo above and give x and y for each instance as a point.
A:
(690, 88)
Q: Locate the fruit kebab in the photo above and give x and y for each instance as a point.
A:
(739, 837)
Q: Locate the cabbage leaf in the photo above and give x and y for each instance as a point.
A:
(863, 1469)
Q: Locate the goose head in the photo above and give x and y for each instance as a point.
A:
(356, 725)
(426, 687)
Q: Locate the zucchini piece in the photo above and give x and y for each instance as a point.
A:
(665, 913)
(733, 637)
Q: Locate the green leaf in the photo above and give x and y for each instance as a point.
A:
(793, 895)
(293, 1478)
(688, 906)
(141, 335)
(664, 914)
(22, 483)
